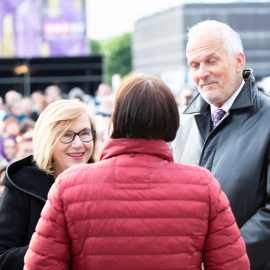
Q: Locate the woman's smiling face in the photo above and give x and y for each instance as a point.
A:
(76, 152)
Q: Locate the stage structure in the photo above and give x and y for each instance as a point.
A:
(44, 42)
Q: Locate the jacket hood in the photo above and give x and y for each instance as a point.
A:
(24, 175)
(244, 99)
(117, 147)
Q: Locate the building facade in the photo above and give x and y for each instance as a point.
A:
(159, 41)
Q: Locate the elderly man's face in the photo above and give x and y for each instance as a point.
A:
(216, 75)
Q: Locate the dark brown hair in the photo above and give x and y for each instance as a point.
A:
(145, 108)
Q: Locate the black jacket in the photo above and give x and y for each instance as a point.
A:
(24, 195)
(237, 152)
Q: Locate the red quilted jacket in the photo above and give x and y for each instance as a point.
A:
(136, 209)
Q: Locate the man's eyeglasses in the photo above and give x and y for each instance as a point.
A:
(86, 135)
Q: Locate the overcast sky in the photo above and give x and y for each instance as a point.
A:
(109, 18)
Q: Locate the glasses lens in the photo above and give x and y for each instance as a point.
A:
(67, 137)
(87, 135)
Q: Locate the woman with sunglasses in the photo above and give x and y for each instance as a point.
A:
(64, 136)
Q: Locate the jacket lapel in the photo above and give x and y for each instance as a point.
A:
(204, 123)
(245, 99)
(202, 116)
(201, 109)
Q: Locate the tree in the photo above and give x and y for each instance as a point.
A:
(119, 59)
(95, 46)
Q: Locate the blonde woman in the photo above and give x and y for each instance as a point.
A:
(64, 136)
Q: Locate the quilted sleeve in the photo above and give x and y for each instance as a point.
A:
(49, 247)
(224, 247)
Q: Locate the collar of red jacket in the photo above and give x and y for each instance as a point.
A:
(117, 147)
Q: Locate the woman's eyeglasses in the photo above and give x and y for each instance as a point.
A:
(86, 135)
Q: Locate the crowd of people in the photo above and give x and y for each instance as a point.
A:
(18, 116)
(200, 202)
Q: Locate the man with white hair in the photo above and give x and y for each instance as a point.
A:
(226, 130)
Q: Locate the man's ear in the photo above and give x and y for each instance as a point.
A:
(240, 62)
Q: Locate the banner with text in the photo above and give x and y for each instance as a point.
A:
(31, 28)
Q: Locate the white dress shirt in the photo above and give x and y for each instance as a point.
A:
(227, 105)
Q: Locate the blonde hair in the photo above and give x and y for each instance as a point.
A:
(56, 119)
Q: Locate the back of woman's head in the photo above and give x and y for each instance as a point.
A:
(145, 108)
(55, 120)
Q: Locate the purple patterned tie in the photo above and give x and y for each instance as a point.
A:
(217, 116)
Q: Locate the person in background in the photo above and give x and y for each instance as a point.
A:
(35, 96)
(106, 107)
(76, 93)
(42, 104)
(8, 148)
(25, 140)
(2, 109)
(27, 127)
(15, 109)
(24, 148)
(226, 130)
(102, 129)
(64, 136)
(184, 98)
(12, 96)
(53, 93)
(103, 111)
(27, 106)
(136, 208)
(3, 167)
(103, 117)
(11, 127)
(103, 90)
(2, 114)
(89, 100)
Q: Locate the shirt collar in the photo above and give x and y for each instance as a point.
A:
(227, 105)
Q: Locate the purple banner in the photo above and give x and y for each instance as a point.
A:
(64, 27)
(31, 28)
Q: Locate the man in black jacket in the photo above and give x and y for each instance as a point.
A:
(226, 130)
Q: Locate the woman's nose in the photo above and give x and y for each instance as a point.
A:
(76, 142)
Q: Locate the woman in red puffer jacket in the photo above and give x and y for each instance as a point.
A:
(136, 208)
